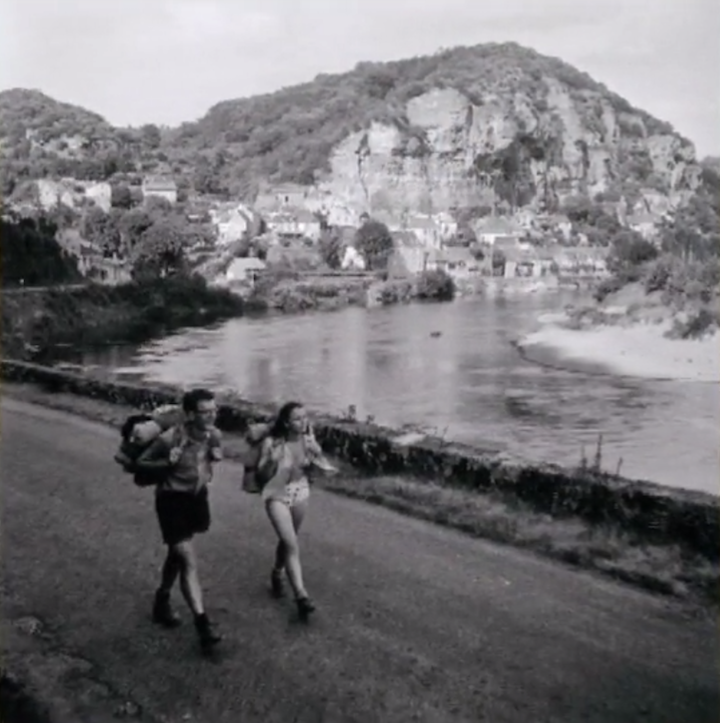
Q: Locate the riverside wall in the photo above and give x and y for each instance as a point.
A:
(649, 512)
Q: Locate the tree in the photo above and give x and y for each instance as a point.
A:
(374, 241)
(151, 135)
(32, 256)
(694, 232)
(121, 196)
(132, 225)
(630, 249)
(100, 229)
(160, 251)
(498, 261)
(158, 207)
(331, 248)
(477, 251)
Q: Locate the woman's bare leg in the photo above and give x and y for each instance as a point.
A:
(282, 520)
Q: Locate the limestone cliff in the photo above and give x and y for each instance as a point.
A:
(506, 149)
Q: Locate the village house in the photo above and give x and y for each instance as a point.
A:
(592, 261)
(339, 215)
(644, 224)
(83, 251)
(244, 271)
(90, 260)
(521, 262)
(459, 263)
(504, 245)
(567, 262)
(426, 230)
(447, 226)
(160, 187)
(286, 195)
(558, 222)
(295, 256)
(409, 256)
(73, 193)
(100, 193)
(112, 271)
(525, 218)
(231, 222)
(294, 224)
(490, 230)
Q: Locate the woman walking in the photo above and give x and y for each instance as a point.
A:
(287, 454)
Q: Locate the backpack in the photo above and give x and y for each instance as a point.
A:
(138, 432)
(254, 479)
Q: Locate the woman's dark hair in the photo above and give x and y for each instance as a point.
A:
(281, 425)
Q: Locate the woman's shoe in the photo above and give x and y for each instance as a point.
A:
(305, 607)
(277, 585)
(208, 635)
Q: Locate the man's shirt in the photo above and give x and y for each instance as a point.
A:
(194, 469)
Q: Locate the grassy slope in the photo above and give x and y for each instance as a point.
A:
(101, 313)
(666, 569)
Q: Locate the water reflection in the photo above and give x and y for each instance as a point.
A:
(469, 382)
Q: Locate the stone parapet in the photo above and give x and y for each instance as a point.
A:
(654, 513)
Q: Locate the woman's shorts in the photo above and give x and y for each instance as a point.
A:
(293, 494)
(182, 515)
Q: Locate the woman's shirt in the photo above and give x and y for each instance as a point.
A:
(293, 460)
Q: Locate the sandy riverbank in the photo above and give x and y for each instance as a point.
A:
(638, 350)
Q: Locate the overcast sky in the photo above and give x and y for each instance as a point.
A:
(166, 61)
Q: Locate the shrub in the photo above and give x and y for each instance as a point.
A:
(659, 272)
(698, 324)
(396, 292)
(436, 285)
(630, 249)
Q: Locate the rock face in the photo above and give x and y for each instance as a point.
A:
(506, 150)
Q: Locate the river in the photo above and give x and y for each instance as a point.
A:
(468, 384)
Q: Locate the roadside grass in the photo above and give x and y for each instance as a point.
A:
(665, 569)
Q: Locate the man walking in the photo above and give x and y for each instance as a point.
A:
(186, 455)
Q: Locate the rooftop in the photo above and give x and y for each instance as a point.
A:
(159, 183)
(454, 254)
(406, 239)
(247, 263)
(641, 218)
(420, 222)
(498, 225)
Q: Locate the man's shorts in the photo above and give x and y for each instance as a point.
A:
(182, 515)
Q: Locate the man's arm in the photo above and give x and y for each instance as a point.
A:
(155, 457)
(215, 453)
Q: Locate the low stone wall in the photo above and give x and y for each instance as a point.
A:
(653, 513)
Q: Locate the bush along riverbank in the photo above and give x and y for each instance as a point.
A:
(660, 538)
(288, 291)
(34, 322)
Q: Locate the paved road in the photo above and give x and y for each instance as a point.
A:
(416, 623)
